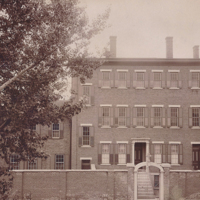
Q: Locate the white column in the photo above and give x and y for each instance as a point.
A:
(133, 153)
(147, 150)
(161, 186)
(135, 185)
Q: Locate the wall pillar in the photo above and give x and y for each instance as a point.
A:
(133, 152)
(147, 150)
(130, 180)
(166, 174)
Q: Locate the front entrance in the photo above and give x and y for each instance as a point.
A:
(140, 149)
(196, 156)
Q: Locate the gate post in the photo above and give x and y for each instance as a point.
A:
(166, 168)
(130, 167)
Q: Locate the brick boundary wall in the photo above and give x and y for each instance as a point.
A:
(98, 184)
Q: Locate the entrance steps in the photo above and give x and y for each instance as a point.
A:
(144, 186)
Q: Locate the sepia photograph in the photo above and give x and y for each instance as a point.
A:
(99, 100)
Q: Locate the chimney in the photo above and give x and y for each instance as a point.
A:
(196, 52)
(113, 46)
(169, 47)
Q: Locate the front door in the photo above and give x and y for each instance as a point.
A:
(138, 153)
(196, 156)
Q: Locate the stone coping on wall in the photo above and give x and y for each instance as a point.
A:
(69, 170)
(193, 171)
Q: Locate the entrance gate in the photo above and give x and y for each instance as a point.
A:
(138, 183)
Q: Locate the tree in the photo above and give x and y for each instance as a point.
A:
(41, 43)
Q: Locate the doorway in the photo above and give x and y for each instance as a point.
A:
(140, 149)
(196, 156)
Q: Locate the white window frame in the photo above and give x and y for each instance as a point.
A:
(63, 163)
(55, 130)
(122, 156)
(15, 163)
(105, 156)
(31, 164)
(198, 72)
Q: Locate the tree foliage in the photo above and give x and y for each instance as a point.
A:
(41, 43)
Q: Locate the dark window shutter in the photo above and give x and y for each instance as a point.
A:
(163, 116)
(116, 79)
(180, 154)
(190, 80)
(169, 153)
(50, 131)
(80, 136)
(100, 117)
(116, 154)
(91, 128)
(164, 153)
(111, 116)
(128, 153)
(179, 80)
(168, 117)
(190, 117)
(54, 164)
(151, 80)
(163, 79)
(134, 117)
(116, 116)
(128, 80)
(111, 79)
(146, 120)
(152, 152)
(180, 117)
(99, 154)
(111, 154)
(134, 79)
(146, 82)
(128, 117)
(100, 74)
(61, 130)
(92, 95)
(152, 117)
(168, 80)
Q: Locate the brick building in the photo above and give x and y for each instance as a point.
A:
(139, 109)
(57, 147)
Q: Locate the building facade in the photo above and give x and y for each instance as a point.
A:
(139, 109)
(57, 148)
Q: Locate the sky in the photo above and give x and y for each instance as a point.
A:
(141, 26)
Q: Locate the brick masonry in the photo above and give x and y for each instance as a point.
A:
(183, 97)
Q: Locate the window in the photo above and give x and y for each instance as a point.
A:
(174, 154)
(85, 164)
(195, 79)
(105, 154)
(56, 131)
(195, 116)
(33, 128)
(122, 79)
(157, 117)
(140, 79)
(59, 162)
(32, 164)
(140, 116)
(156, 181)
(106, 116)
(86, 135)
(174, 116)
(86, 92)
(14, 161)
(158, 153)
(173, 79)
(157, 80)
(106, 79)
(122, 153)
(122, 118)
